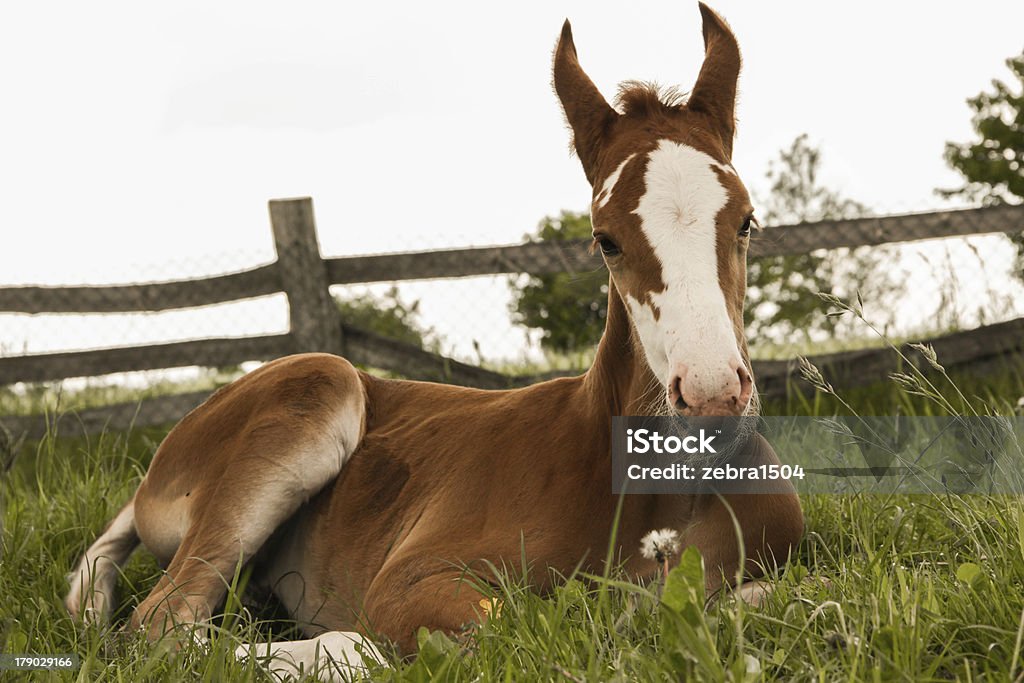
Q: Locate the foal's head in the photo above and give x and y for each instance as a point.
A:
(672, 218)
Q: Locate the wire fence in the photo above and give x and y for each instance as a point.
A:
(919, 276)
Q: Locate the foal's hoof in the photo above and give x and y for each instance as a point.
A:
(173, 626)
(754, 593)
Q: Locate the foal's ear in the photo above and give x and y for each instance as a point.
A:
(586, 110)
(715, 91)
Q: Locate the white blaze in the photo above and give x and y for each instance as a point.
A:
(677, 212)
(609, 184)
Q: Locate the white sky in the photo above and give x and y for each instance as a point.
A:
(142, 141)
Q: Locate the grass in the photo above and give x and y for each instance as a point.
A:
(51, 397)
(994, 393)
(905, 588)
(881, 588)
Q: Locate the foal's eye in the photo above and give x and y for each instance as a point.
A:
(745, 228)
(608, 248)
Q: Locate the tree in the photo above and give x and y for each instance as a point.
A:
(387, 316)
(782, 291)
(993, 165)
(570, 309)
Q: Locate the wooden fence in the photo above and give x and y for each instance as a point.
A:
(305, 277)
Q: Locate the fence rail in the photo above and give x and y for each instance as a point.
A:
(537, 258)
(156, 296)
(304, 276)
(543, 258)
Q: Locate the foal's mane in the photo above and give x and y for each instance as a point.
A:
(644, 98)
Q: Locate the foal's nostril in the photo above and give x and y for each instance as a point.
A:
(746, 386)
(675, 391)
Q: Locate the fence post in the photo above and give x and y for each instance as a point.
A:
(313, 317)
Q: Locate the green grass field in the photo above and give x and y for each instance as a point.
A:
(882, 588)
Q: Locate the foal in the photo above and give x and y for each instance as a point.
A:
(356, 500)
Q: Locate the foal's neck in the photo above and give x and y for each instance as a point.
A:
(620, 382)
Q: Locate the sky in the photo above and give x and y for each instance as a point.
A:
(142, 141)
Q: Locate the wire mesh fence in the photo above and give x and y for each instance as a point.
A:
(914, 276)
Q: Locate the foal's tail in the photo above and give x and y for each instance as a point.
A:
(93, 582)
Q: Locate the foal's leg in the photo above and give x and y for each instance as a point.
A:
(419, 590)
(94, 580)
(269, 471)
(771, 526)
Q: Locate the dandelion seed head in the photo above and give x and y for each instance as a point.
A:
(659, 544)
